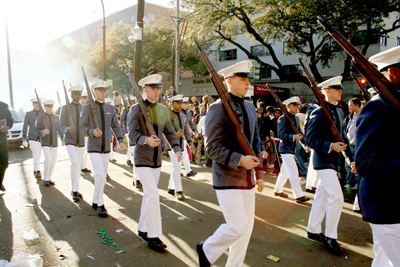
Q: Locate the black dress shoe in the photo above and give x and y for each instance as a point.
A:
(52, 183)
(94, 206)
(180, 196)
(38, 174)
(2, 188)
(143, 235)
(310, 191)
(156, 244)
(317, 237)
(302, 199)
(102, 212)
(190, 174)
(171, 192)
(108, 177)
(75, 196)
(333, 246)
(281, 195)
(46, 183)
(113, 160)
(203, 261)
(86, 170)
(357, 211)
(139, 185)
(129, 163)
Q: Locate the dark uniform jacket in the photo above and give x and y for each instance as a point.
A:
(189, 120)
(286, 134)
(223, 147)
(145, 155)
(53, 125)
(378, 162)
(181, 121)
(264, 126)
(30, 120)
(124, 120)
(320, 138)
(107, 118)
(78, 137)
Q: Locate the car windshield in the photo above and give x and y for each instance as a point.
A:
(16, 116)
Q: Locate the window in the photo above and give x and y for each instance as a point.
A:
(398, 41)
(98, 31)
(121, 21)
(152, 17)
(293, 69)
(93, 33)
(259, 51)
(376, 38)
(383, 40)
(133, 19)
(228, 55)
(265, 73)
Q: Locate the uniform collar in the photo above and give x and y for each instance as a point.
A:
(150, 104)
(237, 98)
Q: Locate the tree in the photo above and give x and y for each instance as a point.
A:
(293, 22)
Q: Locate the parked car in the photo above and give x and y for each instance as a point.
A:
(15, 133)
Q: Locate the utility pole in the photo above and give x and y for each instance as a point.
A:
(177, 48)
(138, 44)
(104, 44)
(9, 65)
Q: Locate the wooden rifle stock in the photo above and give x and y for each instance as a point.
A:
(149, 126)
(366, 96)
(283, 108)
(374, 77)
(232, 113)
(91, 101)
(321, 101)
(41, 111)
(127, 95)
(209, 96)
(68, 105)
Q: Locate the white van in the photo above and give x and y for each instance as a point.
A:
(15, 133)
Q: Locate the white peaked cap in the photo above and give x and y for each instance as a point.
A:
(177, 98)
(185, 99)
(75, 88)
(100, 84)
(335, 83)
(84, 93)
(153, 80)
(108, 100)
(243, 68)
(372, 91)
(35, 99)
(386, 58)
(48, 102)
(292, 100)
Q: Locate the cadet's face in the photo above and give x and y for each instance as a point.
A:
(277, 114)
(238, 85)
(152, 93)
(48, 109)
(35, 105)
(185, 105)
(292, 108)
(76, 96)
(334, 95)
(176, 106)
(83, 100)
(101, 94)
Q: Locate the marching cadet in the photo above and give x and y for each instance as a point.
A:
(148, 157)
(378, 164)
(98, 145)
(233, 176)
(84, 159)
(329, 197)
(287, 149)
(48, 138)
(6, 123)
(74, 139)
(112, 157)
(32, 138)
(188, 121)
(175, 181)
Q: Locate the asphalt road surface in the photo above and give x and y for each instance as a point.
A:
(70, 229)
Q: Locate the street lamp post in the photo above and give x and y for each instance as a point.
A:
(138, 43)
(104, 44)
(177, 48)
(9, 66)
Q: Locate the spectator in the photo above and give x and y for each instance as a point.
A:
(172, 91)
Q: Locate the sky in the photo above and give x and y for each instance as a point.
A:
(32, 23)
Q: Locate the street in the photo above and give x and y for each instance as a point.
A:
(279, 229)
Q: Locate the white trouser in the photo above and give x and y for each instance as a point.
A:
(186, 160)
(150, 212)
(328, 202)
(111, 151)
(289, 170)
(312, 176)
(100, 169)
(50, 158)
(356, 205)
(129, 151)
(36, 152)
(175, 180)
(238, 207)
(75, 157)
(84, 158)
(135, 176)
(386, 245)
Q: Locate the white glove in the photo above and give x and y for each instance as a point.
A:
(25, 143)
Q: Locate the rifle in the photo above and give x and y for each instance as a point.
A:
(231, 111)
(91, 102)
(209, 96)
(41, 110)
(374, 77)
(321, 101)
(283, 108)
(123, 100)
(129, 98)
(68, 105)
(149, 126)
(362, 89)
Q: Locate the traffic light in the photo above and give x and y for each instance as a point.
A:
(255, 71)
(363, 81)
